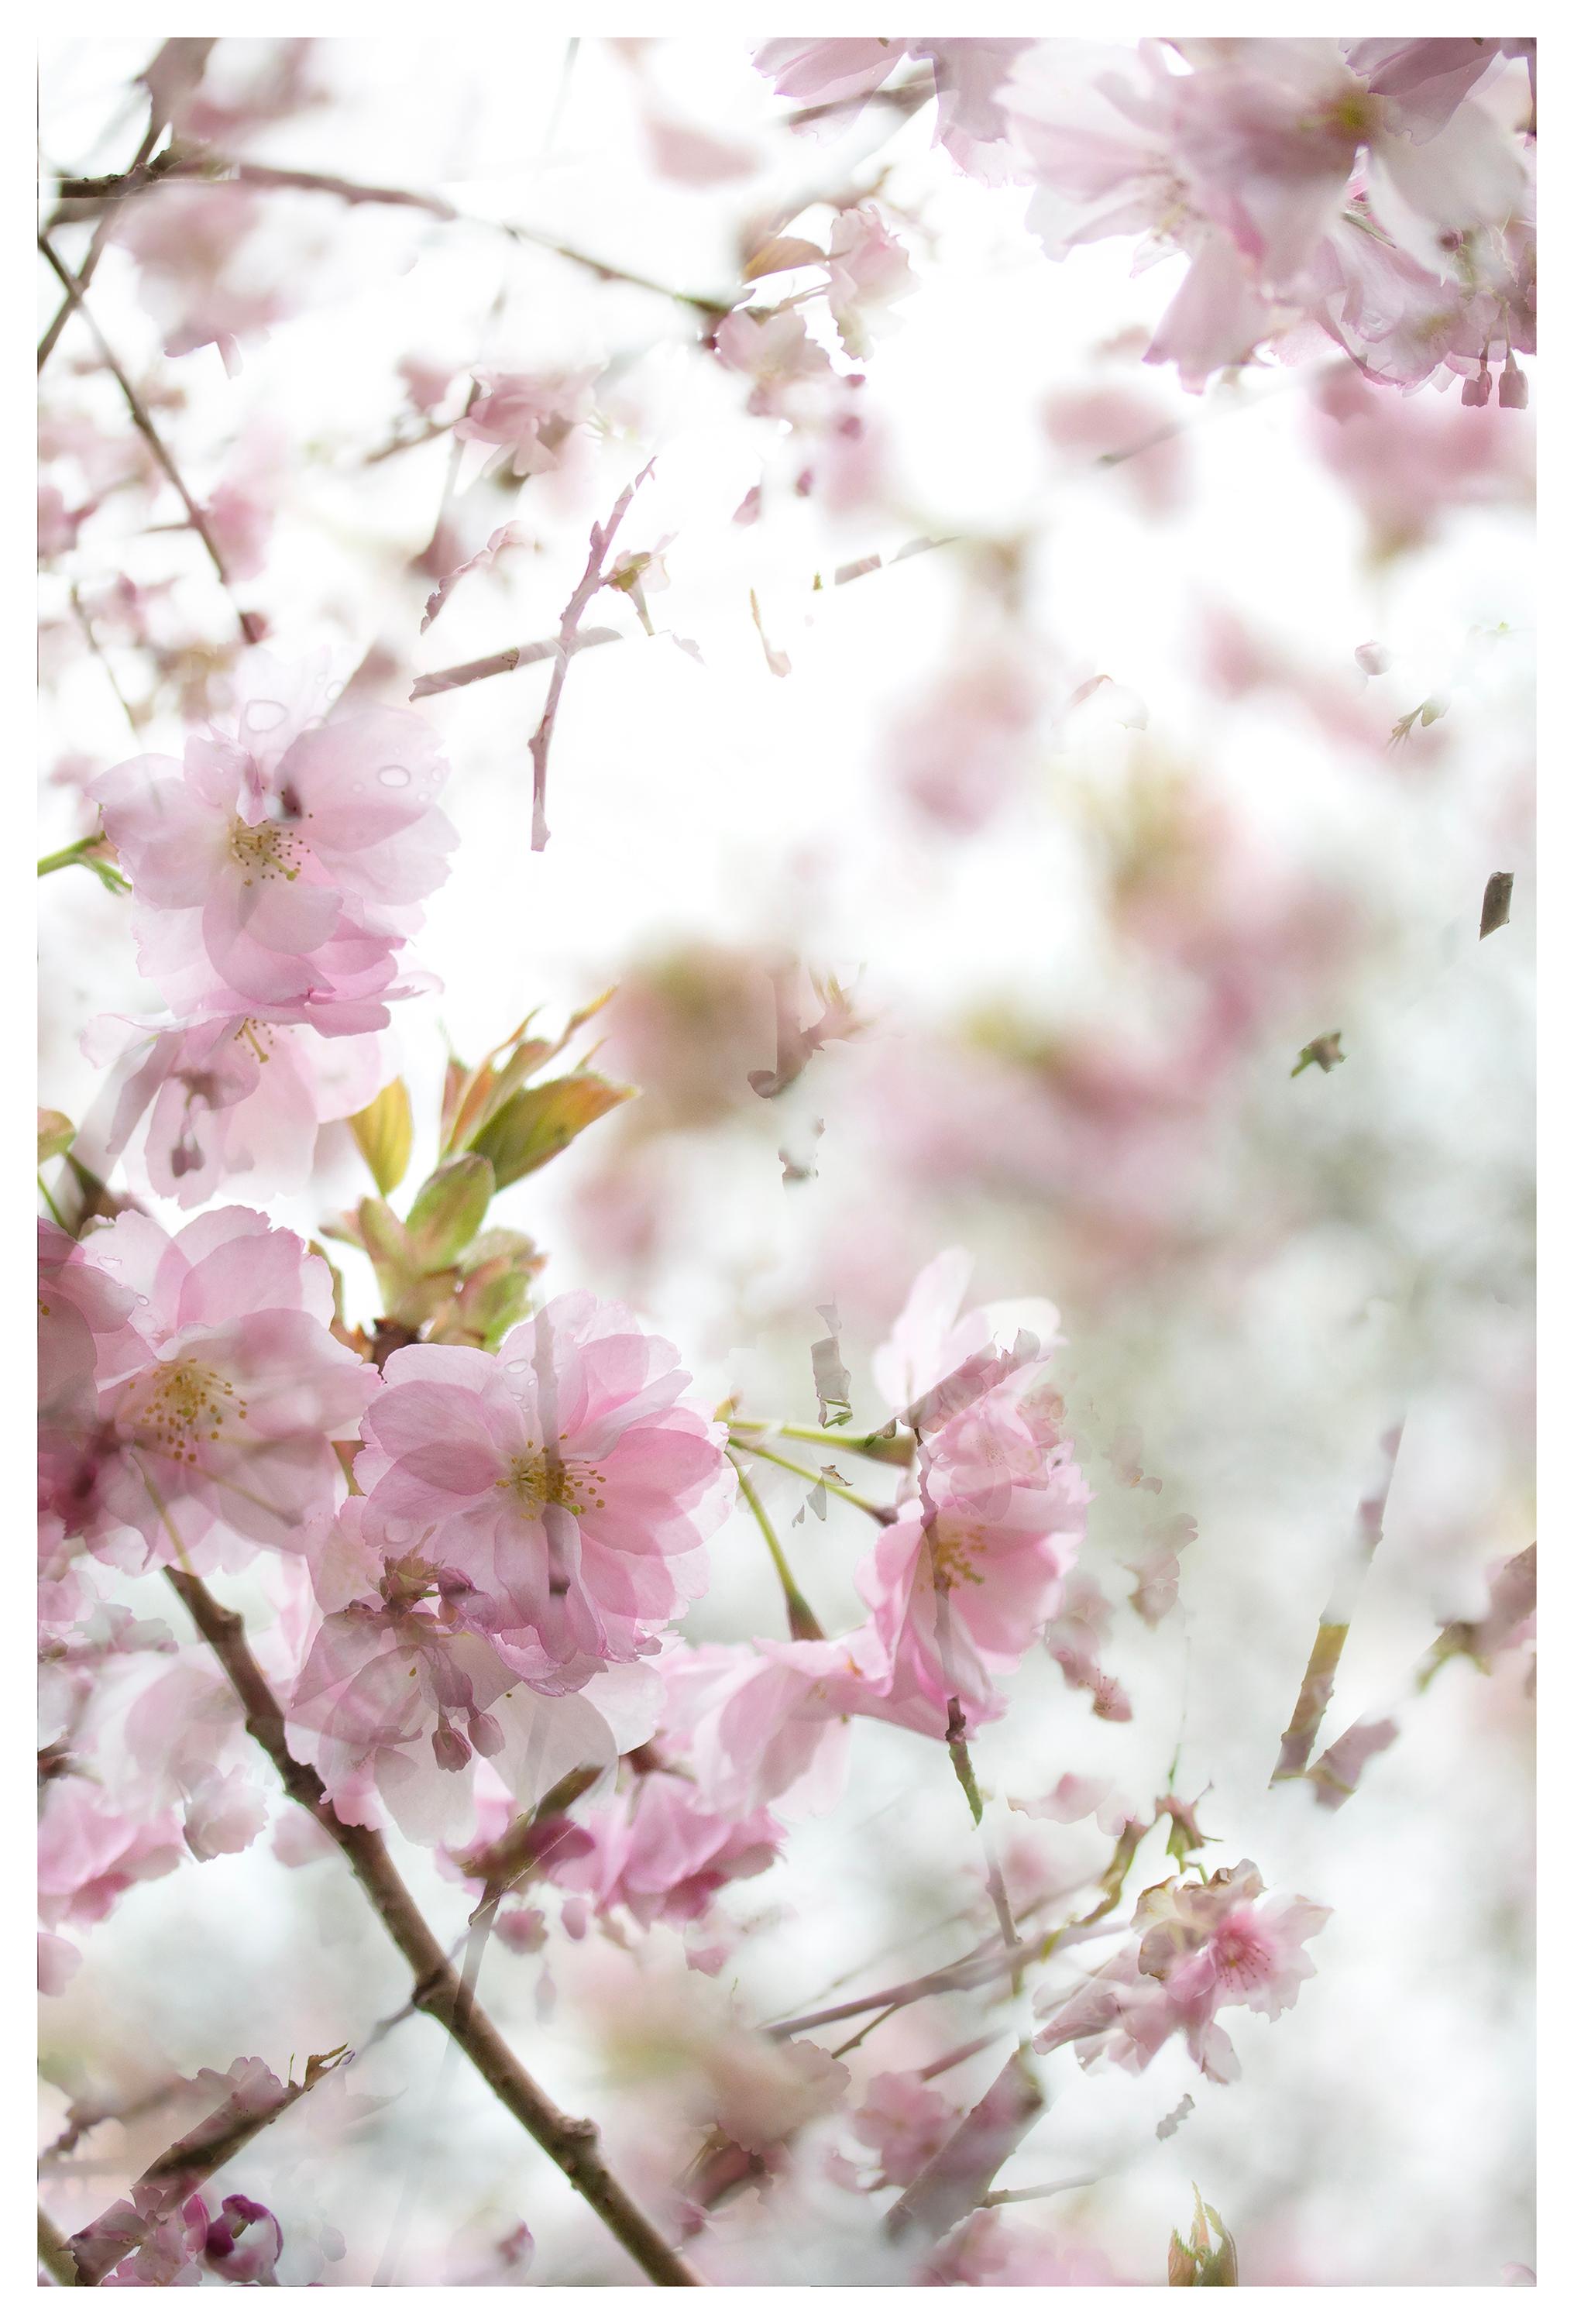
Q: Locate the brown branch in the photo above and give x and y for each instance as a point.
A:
(573, 2145)
(214, 169)
(101, 233)
(181, 2168)
(54, 2251)
(977, 1968)
(592, 579)
(249, 627)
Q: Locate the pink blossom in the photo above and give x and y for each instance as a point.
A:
(1203, 1946)
(563, 1478)
(285, 858)
(907, 2121)
(198, 249)
(776, 351)
(662, 1853)
(221, 1409)
(968, 77)
(768, 1726)
(224, 1097)
(867, 269)
(533, 416)
(963, 749)
(90, 1852)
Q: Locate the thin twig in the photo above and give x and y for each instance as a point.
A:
(101, 233)
(881, 1516)
(602, 537)
(801, 1622)
(573, 2145)
(250, 629)
(498, 665)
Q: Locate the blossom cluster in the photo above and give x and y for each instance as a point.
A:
(277, 870)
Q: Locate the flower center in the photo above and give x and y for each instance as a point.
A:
(181, 1406)
(958, 1550)
(1240, 1957)
(265, 851)
(535, 1476)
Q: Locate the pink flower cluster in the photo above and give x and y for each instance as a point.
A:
(1373, 192)
(277, 871)
(1202, 1946)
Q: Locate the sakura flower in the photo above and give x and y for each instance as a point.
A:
(662, 1853)
(90, 1852)
(961, 750)
(283, 861)
(85, 1323)
(197, 248)
(956, 1599)
(776, 351)
(533, 416)
(223, 1098)
(563, 1478)
(967, 76)
(768, 1726)
(1203, 1946)
(867, 270)
(218, 1419)
(907, 2121)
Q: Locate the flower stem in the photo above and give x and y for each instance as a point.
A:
(817, 1477)
(801, 1622)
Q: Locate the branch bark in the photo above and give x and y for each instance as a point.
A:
(573, 2145)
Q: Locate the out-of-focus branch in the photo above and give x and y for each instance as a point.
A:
(573, 2145)
(54, 2251)
(249, 627)
(957, 2180)
(974, 1969)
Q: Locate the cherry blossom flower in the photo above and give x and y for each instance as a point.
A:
(907, 2121)
(967, 76)
(867, 269)
(198, 247)
(662, 1853)
(533, 416)
(214, 1425)
(285, 858)
(90, 1852)
(225, 1098)
(768, 1726)
(776, 351)
(1203, 1946)
(563, 1478)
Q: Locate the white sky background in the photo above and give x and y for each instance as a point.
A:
(1379, 2133)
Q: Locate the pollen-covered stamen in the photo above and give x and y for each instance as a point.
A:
(258, 1037)
(536, 1477)
(265, 851)
(180, 1406)
(958, 1549)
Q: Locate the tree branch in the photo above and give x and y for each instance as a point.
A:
(573, 2145)
(249, 627)
(601, 541)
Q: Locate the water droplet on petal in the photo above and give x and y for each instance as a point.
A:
(394, 778)
(262, 717)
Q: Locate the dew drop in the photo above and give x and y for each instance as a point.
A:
(263, 717)
(394, 778)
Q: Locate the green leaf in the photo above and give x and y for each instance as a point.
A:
(536, 1124)
(55, 1133)
(450, 1210)
(383, 1132)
